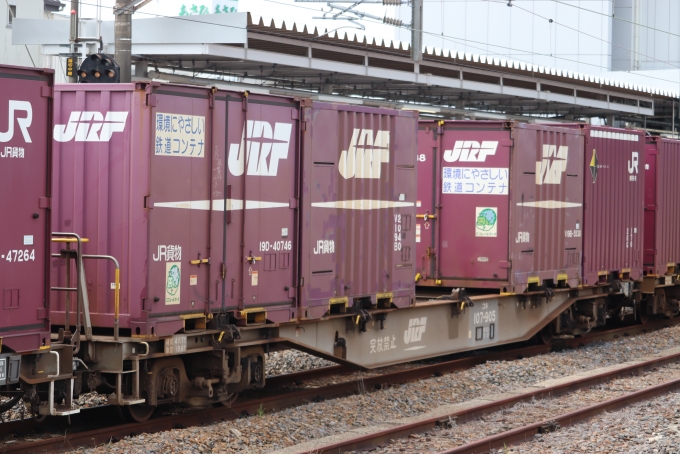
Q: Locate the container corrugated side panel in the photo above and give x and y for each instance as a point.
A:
(361, 195)
(668, 200)
(614, 194)
(546, 205)
(99, 187)
(24, 182)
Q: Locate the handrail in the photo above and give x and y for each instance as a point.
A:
(116, 298)
(68, 238)
(57, 374)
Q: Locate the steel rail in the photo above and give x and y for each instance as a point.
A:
(381, 438)
(96, 437)
(526, 433)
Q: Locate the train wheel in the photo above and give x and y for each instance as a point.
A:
(136, 413)
(545, 335)
(643, 316)
(230, 400)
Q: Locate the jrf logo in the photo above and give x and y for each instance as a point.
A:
(471, 151)
(261, 148)
(549, 170)
(633, 164)
(23, 122)
(415, 330)
(90, 126)
(366, 153)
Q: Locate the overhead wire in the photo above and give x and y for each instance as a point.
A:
(440, 36)
(463, 41)
(514, 5)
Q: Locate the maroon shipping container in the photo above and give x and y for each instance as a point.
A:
(662, 203)
(613, 194)
(507, 203)
(25, 148)
(214, 201)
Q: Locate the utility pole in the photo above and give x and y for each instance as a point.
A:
(123, 38)
(73, 39)
(417, 30)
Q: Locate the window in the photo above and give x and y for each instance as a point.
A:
(11, 14)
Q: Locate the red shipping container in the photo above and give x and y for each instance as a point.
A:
(662, 200)
(25, 151)
(217, 201)
(507, 201)
(613, 194)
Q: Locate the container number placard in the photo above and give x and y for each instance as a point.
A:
(483, 322)
(19, 255)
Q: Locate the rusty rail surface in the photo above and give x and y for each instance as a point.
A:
(526, 433)
(91, 438)
(383, 437)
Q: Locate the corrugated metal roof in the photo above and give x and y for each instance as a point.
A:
(302, 32)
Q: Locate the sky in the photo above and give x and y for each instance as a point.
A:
(280, 10)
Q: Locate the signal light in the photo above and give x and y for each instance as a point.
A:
(99, 69)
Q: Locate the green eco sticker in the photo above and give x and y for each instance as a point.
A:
(487, 222)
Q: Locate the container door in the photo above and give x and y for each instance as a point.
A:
(181, 197)
(474, 221)
(650, 207)
(428, 152)
(24, 125)
(261, 158)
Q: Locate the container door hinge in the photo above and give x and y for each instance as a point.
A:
(148, 202)
(44, 202)
(244, 101)
(151, 100)
(47, 92)
(292, 203)
(303, 125)
(43, 313)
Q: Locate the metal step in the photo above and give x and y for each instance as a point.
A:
(59, 410)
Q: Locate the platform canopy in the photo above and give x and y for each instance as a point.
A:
(290, 59)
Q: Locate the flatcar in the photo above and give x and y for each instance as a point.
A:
(229, 215)
(195, 229)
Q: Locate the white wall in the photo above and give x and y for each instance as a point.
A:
(522, 32)
(647, 37)
(19, 55)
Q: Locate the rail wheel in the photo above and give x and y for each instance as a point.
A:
(643, 316)
(545, 335)
(136, 413)
(230, 400)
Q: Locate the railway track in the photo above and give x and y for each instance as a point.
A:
(96, 436)
(527, 432)
(518, 435)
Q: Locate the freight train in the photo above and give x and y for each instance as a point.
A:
(158, 240)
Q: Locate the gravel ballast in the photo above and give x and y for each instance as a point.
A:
(275, 431)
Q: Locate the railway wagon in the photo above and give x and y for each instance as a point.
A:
(500, 205)
(661, 216)
(225, 212)
(28, 355)
(613, 197)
